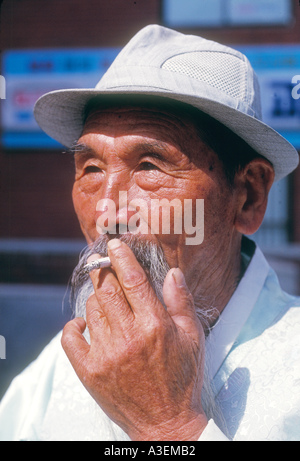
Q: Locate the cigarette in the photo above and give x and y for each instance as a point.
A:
(97, 264)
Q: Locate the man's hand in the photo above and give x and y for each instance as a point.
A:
(144, 365)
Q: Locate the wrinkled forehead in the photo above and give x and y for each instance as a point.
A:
(166, 122)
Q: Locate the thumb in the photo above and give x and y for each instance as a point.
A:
(74, 343)
(180, 303)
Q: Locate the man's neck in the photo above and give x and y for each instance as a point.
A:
(217, 281)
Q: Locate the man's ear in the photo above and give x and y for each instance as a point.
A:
(252, 185)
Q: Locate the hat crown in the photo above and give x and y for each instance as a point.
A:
(220, 70)
(191, 57)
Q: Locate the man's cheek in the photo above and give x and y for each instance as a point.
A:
(178, 217)
(85, 208)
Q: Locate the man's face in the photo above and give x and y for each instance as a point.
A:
(153, 154)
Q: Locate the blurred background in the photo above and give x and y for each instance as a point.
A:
(64, 44)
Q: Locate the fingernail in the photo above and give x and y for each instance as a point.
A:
(114, 244)
(179, 278)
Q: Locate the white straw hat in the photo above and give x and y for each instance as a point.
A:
(162, 62)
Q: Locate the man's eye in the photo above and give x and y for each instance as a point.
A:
(92, 169)
(148, 166)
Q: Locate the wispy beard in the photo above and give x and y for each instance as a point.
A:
(151, 257)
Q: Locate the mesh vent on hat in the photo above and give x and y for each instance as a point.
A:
(220, 70)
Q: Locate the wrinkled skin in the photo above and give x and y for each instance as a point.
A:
(144, 365)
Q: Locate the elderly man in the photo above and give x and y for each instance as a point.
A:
(184, 335)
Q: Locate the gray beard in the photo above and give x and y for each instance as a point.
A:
(151, 257)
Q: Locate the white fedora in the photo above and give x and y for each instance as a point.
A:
(162, 62)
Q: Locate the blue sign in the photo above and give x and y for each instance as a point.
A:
(278, 69)
(31, 73)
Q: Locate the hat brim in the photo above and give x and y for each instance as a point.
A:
(61, 115)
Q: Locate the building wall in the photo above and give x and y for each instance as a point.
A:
(35, 185)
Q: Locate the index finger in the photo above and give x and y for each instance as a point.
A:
(112, 303)
(133, 279)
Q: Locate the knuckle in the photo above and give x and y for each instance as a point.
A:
(134, 279)
(93, 313)
(110, 293)
(93, 321)
(155, 328)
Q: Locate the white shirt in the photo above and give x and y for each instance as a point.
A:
(255, 357)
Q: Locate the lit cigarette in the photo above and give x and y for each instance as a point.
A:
(97, 264)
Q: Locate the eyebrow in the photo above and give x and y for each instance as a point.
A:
(154, 149)
(80, 148)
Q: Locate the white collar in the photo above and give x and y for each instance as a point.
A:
(237, 311)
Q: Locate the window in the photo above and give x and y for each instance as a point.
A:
(220, 13)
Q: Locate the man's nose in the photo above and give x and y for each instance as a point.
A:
(113, 183)
(111, 208)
